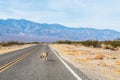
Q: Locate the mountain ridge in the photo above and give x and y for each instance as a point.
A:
(25, 30)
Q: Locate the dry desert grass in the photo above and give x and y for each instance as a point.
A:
(96, 63)
(4, 50)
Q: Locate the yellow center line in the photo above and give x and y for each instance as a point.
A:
(6, 66)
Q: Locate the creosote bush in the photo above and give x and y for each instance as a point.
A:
(9, 43)
(89, 43)
(112, 45)
(0, 46)
(99, 56)
(115, 43)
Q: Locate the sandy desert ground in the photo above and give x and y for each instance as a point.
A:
(4, 50)
(96, 63)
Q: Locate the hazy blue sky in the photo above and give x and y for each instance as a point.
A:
(72, 13)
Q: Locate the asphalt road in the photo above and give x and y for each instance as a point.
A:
(28, 66)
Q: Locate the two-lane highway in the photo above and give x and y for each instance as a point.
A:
(26, 65)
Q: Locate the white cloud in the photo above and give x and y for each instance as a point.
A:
(75, 13)
(22, 34)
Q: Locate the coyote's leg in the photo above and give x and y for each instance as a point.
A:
(46, 58)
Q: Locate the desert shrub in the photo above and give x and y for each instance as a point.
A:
(65, 42)
(0, 46)
(103, 46)
(117, 63)
(115, 43)
(9, 43)
(82, 59)
(89, 43)
(114, 58)
(108, 46)
(117, 49)
(112, 45)
(34, 43)
(102, 64)
(99, 56)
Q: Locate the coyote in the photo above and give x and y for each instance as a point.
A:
(44, 55)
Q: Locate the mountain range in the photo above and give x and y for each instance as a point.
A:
(25, 30)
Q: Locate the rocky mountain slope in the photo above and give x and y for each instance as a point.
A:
(24, 30)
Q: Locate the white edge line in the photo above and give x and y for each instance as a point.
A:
(66, 65)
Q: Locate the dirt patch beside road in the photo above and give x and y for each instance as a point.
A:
(96, 63)
(4, 50)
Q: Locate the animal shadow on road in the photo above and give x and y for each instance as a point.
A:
(51, 60)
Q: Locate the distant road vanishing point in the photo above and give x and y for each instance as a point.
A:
(25, 64)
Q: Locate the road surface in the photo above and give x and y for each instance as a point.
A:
(25, 64)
